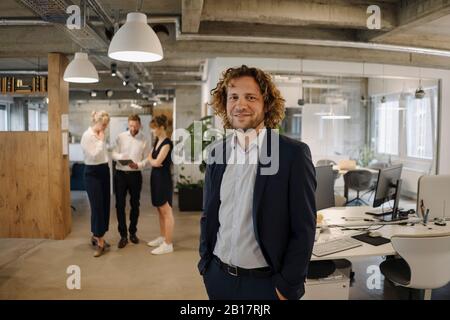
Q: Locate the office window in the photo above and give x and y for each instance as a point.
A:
(331, 120)
(292, 123)
(3, 118)
(419, 125)
(43, 120)
(33, 119)
(387, 125)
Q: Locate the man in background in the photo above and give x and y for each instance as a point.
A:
(130, 145)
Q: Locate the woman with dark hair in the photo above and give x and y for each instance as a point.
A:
(161, 184)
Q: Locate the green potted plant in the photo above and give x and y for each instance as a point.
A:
(366, 155)
(190, 192)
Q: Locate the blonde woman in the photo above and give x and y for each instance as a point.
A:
(161, 184)
(97, 178)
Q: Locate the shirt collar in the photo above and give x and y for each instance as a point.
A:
(136, 136)
(255, 142)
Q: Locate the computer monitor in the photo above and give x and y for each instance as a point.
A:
(388, 188)
(325, 187)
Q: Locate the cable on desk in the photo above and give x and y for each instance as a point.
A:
(362, 229)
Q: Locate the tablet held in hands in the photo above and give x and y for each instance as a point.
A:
(125, 162)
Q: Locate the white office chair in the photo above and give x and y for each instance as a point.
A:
(425, 262)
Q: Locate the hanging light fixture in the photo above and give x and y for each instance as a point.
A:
(113, 69)
(420, 93)
(301, 100)
(135, 41)
(81, 70)
(383, 98)
(126, 80)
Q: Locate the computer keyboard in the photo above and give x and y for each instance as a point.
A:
(336, 245)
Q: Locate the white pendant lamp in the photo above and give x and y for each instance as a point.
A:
(81, 70)
(135, 41)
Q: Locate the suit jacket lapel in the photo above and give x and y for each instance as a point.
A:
(260, 180)
(219, 168)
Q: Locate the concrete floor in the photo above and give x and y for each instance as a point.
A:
(36, 268)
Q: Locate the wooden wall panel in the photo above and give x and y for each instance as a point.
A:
(24, 208)
(34, 173)
(59, 179)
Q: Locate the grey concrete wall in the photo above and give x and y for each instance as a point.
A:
(188, 108)
(188, 105)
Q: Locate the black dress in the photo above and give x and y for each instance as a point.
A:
(161, 186)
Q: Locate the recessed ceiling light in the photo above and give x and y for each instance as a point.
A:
(136, 106)
(336, 117)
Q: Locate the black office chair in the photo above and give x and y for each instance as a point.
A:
(324, 193)
(378, 165)
(77, 178)
(326, 162)
(359, 180)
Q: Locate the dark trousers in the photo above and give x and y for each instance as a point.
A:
(220, 285)
(97, 180)
(128, 181)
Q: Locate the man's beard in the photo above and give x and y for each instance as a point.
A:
(253, 125)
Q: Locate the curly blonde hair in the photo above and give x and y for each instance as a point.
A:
(99, 116)
(273, 101)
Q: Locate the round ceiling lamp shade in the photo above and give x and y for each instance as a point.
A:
(135, 41)
(81, 70)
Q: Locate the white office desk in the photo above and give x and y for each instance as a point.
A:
(330, 288)
(335, 216)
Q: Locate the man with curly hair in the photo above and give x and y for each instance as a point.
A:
(257, 228)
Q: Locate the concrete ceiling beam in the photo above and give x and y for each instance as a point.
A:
(191, 12)
(411, 14)
(298, 13)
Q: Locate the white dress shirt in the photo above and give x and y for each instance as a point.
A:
(236, 241)
(136, 148)
(94, 149)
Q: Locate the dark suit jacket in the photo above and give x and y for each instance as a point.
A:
(284, 214)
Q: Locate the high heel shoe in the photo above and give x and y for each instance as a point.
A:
(99, 251)
(94, 243)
